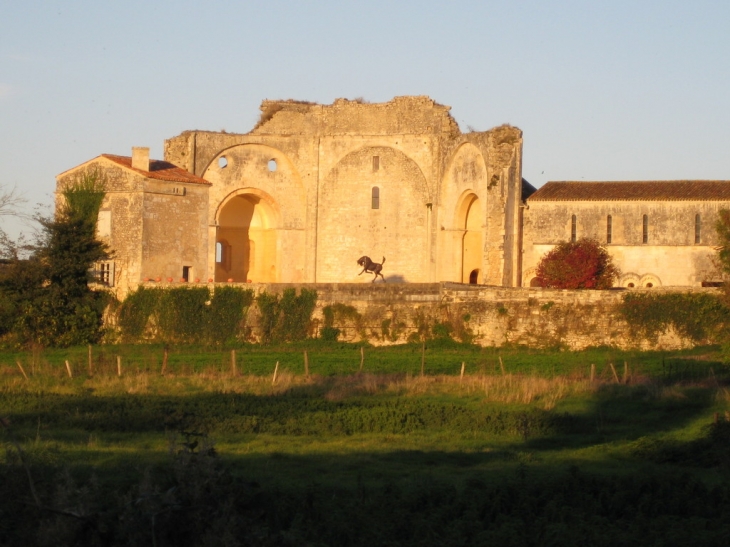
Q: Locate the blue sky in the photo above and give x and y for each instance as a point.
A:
(602, 90)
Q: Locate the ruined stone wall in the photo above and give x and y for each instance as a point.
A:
(319, 199)
(539, 318)
(402, 115)
(669, 258)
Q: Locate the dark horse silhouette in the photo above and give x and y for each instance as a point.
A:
(371, 267)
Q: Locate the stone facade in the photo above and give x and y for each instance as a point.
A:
(312, 187)
(153, 218)
(658, 233)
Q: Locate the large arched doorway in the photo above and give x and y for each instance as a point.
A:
(471, 256)
(246, 240)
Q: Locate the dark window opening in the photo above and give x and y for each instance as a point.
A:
(474, 277)
(649, 285)
(609, 229)
(573, 231)
(698, 227)
(630, 285)
(376, 163)
(376, 198)
(104, 273)
(645, 229)
(186, 273)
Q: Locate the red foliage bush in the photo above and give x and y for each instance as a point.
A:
(583, 264)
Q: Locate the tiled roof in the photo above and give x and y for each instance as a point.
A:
(160, 170)
(650, 190)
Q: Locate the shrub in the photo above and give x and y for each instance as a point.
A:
(583, 264)
(184, 314)
(286, 318)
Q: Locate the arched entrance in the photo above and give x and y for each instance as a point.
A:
(471, 257)
(246, 240)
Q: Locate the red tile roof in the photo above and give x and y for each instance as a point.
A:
(650, 190)
(160, 170)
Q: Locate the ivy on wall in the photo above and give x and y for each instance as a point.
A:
(339, 313)
(287, 317)
(191, 315)
(701, 317)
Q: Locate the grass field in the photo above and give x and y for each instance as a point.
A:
(526, 448)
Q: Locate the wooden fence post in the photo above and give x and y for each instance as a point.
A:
(233, 363)
(501, 365)
(21, 369)
(593, 372)
(164, 361)
(306, 364)
(362, 357)
(423, 358)
(119, 366)
(276, 369)
(461, 376)
(68, 368)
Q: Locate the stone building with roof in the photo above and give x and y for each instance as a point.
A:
(659, 233)
(310, 189)
(153, 217)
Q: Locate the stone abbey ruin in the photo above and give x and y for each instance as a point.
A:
(313, 187)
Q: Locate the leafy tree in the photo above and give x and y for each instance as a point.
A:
(583, 264)
(46, 298)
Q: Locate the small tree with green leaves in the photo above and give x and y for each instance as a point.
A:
(49, 293)
(582, 264)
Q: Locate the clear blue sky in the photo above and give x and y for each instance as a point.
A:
(602, 90)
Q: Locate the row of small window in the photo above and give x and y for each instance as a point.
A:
(644, 229)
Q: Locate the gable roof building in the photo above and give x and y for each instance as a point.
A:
(658, 232)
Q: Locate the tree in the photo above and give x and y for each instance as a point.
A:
(583, 264)
(47, 296)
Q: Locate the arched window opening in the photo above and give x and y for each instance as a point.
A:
(698, 227)
(645, 229)
(474, 277)
(219, 252)
(609, 229)
(573, 231)
(376, 198)
(376, 163)
(649, 285)
(630, 285)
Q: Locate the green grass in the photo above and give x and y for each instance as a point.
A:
(340, 433)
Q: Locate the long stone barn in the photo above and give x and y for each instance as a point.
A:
(312, 188)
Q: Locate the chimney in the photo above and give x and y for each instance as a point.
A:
(141, 158)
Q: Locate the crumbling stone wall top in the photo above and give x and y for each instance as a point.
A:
(408, 115)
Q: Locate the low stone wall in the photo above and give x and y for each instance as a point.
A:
(490, 316)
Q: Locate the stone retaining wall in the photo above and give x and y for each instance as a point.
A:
(491, 316)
